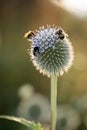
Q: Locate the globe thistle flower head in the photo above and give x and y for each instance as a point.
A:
(68, 118)
(37, 108)
(51, 52)
(26, 91)
(81, 104)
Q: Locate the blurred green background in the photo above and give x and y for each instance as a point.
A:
(16, 69)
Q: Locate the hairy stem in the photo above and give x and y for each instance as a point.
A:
(53, 101)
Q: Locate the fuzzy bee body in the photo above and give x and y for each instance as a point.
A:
(60, 33)
(36, 51)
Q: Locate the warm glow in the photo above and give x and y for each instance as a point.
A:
(77, 7)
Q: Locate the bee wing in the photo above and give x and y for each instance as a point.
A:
(29, 35)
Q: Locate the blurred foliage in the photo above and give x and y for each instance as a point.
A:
(19, 16)
(17, 121)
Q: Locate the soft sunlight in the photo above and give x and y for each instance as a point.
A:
(77, 7)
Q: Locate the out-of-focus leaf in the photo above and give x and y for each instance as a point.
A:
(23, 121)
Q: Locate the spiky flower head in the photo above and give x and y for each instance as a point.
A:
(51, 51)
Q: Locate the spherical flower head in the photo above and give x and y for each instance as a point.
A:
(37, 108)
(26, 91)
(81, 104)
(68, 118)
(51, 51)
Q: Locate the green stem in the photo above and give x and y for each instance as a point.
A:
(53, 101)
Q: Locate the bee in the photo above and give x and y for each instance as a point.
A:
(60, 32)
(30, 35)
(36, 51)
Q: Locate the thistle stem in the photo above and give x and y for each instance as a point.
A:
(53, 101)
